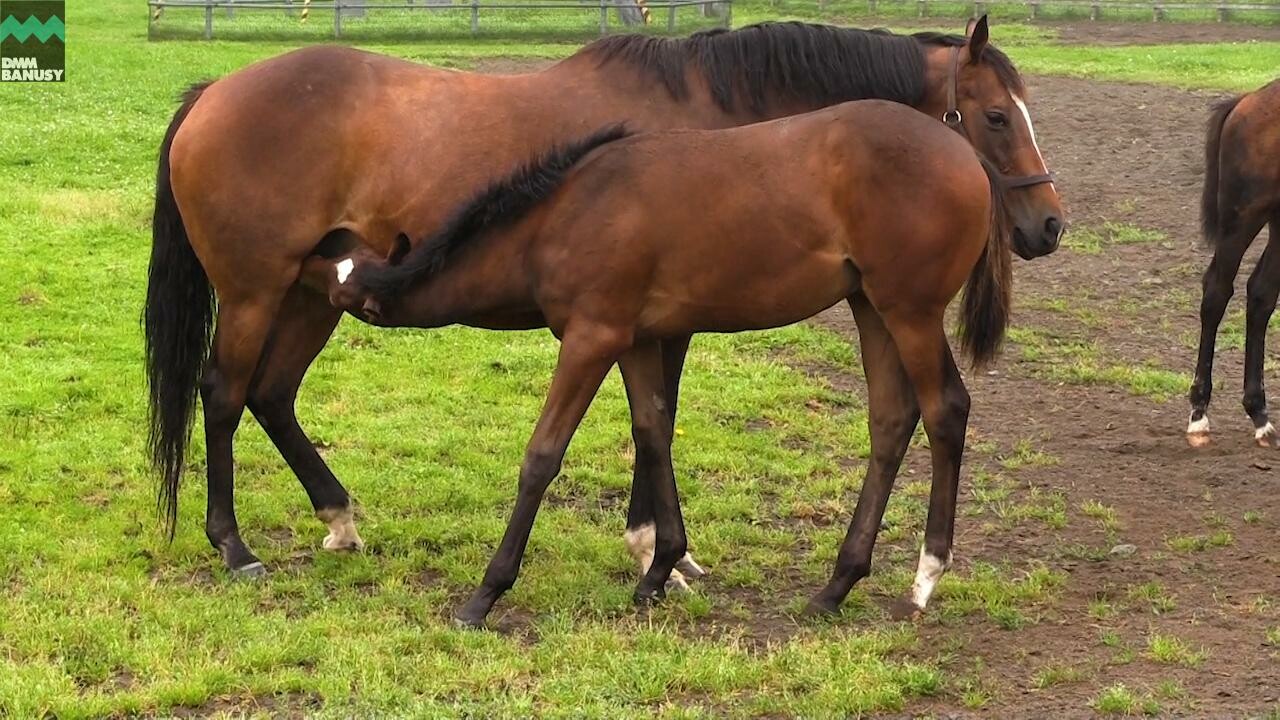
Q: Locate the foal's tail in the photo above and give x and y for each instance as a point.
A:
(177, 320)
(984, 313)
(1209, 212)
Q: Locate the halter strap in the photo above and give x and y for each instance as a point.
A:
(954, 120)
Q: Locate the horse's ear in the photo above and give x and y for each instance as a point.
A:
(977, 33)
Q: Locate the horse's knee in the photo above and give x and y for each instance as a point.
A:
(541, 466)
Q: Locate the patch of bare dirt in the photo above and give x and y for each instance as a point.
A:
(1158, 33)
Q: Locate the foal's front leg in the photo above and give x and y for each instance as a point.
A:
(586, 354)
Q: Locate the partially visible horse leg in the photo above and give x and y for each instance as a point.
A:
(1219, 284)
(1263, 289)
(944, 405)
(639, 536)
(651, 427)
(586, 354)
(242, 329)
(303, 325)
(894, 414)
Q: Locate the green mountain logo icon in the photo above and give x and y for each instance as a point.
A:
(42, 31)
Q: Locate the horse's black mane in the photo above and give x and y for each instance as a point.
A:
(815, 64)
(501, 203)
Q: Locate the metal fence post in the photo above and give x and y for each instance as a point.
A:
(728, 13)
(1223, 14)
(604, 17)
(208, 19)
(475, 16)
(671, 18)
(921, 7)
(337, 18)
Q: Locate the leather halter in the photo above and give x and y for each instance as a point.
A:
(954, 120)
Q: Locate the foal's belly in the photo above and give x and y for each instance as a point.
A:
(748, 293)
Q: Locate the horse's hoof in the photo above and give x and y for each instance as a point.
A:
(462, 622)
(252, 571)
(646, 597)
(905, 609)
(1265, 436)
(1198, 432)
(338, 543)
(689, 568)
(816, 608)
(676, 582)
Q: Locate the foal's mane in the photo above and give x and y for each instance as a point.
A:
(816, 64)
(503, 202)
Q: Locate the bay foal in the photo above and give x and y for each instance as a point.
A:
(1241, 195)
(868, 202)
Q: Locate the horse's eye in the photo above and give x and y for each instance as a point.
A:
(997, 119)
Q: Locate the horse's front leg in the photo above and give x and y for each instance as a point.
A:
(586, 354)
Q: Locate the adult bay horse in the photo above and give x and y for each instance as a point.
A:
(866, 201)
(1241, 195)
(325, 149)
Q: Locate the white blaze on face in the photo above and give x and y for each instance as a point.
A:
(344, 270)
(1027, 117)
(928, 573)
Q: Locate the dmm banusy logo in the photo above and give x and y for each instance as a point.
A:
(33, 40)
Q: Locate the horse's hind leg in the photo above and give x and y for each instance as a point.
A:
(640, 534)
(1219, 284)
(242, 329)
(894, 414)
(944, 405)
(1263, 289)
(651, 428)
(303, 325)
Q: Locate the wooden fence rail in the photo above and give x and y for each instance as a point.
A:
(1159, 10)
(354, 8)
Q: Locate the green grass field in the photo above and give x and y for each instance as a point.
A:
(100, 616)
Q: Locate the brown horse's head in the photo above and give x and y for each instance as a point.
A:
(983, 97)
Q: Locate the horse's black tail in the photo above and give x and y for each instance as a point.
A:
(1210, 214)
(503, 202)
(984, 312)
(177, 320)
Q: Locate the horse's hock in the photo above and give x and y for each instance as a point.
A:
(628, 13)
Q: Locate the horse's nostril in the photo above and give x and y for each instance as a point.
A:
(1053, 227)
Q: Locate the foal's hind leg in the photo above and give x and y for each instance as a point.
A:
(303, 325)
(586, 354)
(651, 427)
(1264, 287)
(1219, 284)
(242, 329)
(944, 405)
(640, 535)
(894, 414)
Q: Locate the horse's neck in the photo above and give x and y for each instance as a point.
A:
(483, 284)
(594, 95)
